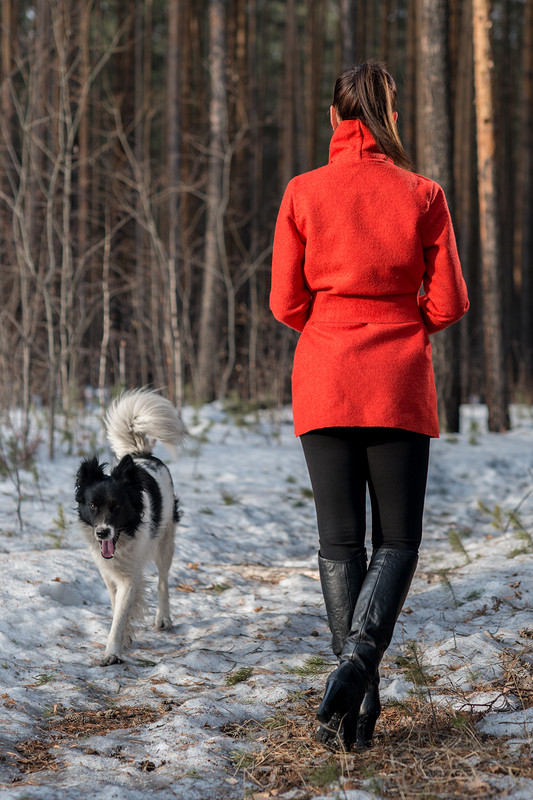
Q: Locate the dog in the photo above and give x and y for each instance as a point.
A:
(129, 516)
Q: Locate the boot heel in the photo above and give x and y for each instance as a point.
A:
(368, 715)
(365, 730)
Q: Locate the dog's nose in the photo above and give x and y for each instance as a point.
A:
(103, 532)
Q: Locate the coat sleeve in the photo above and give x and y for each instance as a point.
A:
(290, 298)
(445, 299)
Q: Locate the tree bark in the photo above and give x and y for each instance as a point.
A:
(289, 103)
(408, 112)
(313, 76)
(210, 331)
(465, 176)
(173, 138)
(523, 234)
(348, 31)
(106, 318)
(142, 48)
(496, 381)
(84, 179)
(255, 151)
(434, 159)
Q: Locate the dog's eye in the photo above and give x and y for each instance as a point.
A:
(93, 506)
(114, 507)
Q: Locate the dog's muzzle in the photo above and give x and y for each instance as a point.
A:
(104, 535)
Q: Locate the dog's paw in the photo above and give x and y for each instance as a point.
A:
(163, 623)
(112, 658)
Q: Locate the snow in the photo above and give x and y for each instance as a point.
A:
(245, 593)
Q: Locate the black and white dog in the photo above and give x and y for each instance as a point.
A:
(129, 516)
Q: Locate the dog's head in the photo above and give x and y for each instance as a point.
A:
(111, 504)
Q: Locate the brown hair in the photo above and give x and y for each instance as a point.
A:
(367, 92)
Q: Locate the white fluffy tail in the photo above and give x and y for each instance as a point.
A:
(138, 418)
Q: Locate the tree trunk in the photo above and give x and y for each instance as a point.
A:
(289, 103)
(210, 329)
(173, 138)
(123, 101)
(106, 318)
(348, 31)
(505, 132)
(313, 76)
(255, 152)
(385, 31)
(524, 216)
(188, 202)
(434, 159)
(7, 176)
(64, 156)
(142, 27)
(408, 112)
(465, 176)
(496, 384)
(84, 178)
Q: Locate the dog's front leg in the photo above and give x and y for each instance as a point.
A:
(162, 618)
(111, 588)
(163, 561)
(124, 599)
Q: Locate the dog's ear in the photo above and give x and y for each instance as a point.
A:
(126, 470)
(90, 471)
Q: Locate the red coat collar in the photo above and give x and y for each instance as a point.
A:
(352, 140)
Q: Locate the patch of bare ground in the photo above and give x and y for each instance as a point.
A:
(418, 753)
(42, 752)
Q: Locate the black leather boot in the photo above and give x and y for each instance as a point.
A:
(378, 606)
(369, 711)
(341, 583)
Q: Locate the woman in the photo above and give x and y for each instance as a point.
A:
(365, 265)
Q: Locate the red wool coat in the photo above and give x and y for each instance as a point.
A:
(355, 241)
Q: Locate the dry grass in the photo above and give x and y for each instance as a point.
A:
(517, 678)
(417, 754)
(37, 754)
(33, 755)
(94, 723)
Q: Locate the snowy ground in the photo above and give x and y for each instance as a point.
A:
(245, 593)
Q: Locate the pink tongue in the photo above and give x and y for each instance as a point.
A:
(108, 548)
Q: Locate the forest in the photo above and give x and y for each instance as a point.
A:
(144, 149)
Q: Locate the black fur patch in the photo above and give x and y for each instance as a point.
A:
(89, 472)
(152, 488)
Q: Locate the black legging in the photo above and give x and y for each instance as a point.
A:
(394, 464)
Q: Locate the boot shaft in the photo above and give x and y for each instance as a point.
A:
(378, 606)
(341, 583)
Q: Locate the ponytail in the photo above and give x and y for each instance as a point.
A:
(368, 93)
